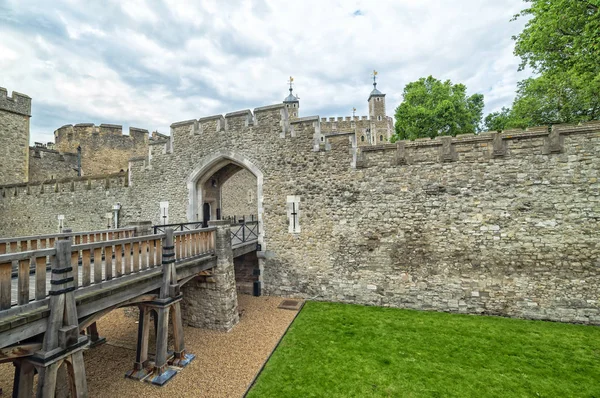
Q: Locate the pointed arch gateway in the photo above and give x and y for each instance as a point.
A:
(224, 163)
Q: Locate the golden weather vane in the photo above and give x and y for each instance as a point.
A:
(353, 112)
(374, 77)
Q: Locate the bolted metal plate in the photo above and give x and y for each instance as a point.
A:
(290, 305)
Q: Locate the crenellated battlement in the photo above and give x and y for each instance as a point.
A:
(69, 132)
(72, 184)
(233, 121)
(476, 147)
(17, 103)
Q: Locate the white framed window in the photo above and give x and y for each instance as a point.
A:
(362, 138)
(379, 118)
(293, 213)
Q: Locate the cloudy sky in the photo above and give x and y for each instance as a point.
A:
(151, 63)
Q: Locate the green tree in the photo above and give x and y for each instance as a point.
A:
(497, 121)
(554, 98)
(431, 107)
(561, 42)
(561, 35)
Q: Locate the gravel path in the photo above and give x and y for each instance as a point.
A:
(224, 366)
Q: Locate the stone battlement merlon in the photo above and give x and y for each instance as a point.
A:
(18, 103)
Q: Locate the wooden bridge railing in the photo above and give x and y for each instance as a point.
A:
(25, 243)
(193, 243)
(94, 262)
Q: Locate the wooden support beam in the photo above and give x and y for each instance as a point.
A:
(162, 335)
(9, 354)
(23, 383)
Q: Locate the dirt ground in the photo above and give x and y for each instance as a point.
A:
(224, 366)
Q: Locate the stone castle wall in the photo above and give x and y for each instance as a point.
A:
(29, 209)
(47, 164)
(15, 113)
(238, 195)
(104, 148)
(501, 224)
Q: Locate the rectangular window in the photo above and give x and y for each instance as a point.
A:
(293, 213)
(164, 213)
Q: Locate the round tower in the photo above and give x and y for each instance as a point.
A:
(291, 101)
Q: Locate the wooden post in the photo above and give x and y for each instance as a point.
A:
(162, 335)
(92, 333)
(23, 381)
(169, 299)
(62, 341)
(140, 368)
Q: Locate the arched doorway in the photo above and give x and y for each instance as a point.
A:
(228, 185)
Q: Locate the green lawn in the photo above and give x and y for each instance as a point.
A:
(341, 350)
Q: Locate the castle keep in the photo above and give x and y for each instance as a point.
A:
(500, 223)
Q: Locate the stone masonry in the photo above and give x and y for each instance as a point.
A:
(211, 301)
(496, 223)
(239, 195)
(15, 113)
(104, 148)
(48, 164)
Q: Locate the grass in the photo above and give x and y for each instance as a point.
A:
(341, 350)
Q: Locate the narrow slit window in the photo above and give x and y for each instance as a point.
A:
(293, 212)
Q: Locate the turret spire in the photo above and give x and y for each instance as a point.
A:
(375, 92)
(291, 97)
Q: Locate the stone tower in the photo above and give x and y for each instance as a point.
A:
(376, 102)
(15, 113)
(380, 125)
(292, 102)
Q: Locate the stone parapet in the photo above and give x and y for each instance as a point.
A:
(18, 103)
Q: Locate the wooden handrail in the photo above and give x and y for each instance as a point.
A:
(63, 235)
(98, 262)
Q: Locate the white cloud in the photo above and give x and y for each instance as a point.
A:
(154, 63)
